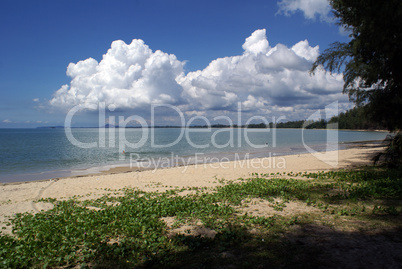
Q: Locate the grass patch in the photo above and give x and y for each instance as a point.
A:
(128, 231)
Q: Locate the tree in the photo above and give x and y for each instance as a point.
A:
(355, 118)
(372, 60)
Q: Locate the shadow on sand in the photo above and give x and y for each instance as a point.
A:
(305, 246)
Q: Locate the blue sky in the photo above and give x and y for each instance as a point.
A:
(39, 39)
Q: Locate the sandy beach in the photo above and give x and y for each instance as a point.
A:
(343, 232)
(20, 197)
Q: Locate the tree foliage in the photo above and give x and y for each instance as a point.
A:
(372, 60)
(356, 118)
(320, 124)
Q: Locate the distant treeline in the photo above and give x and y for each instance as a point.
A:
(321, 124)
(355, 118)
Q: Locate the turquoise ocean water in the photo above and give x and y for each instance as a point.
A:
(32, 154)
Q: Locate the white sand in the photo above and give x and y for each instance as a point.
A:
(17, 198)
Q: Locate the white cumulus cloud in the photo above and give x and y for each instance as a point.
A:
(310, 8)
(257, 42)
(263, 79)
(129, 76)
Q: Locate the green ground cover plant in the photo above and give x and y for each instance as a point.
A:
(126, 229)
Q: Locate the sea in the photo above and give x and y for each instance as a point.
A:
(46, 153)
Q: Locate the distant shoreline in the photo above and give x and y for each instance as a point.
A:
(204, 127)
(191, 127)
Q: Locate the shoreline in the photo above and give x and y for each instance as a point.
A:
(45, 161)
(23, 197)
(348, 157)
(126, 168)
